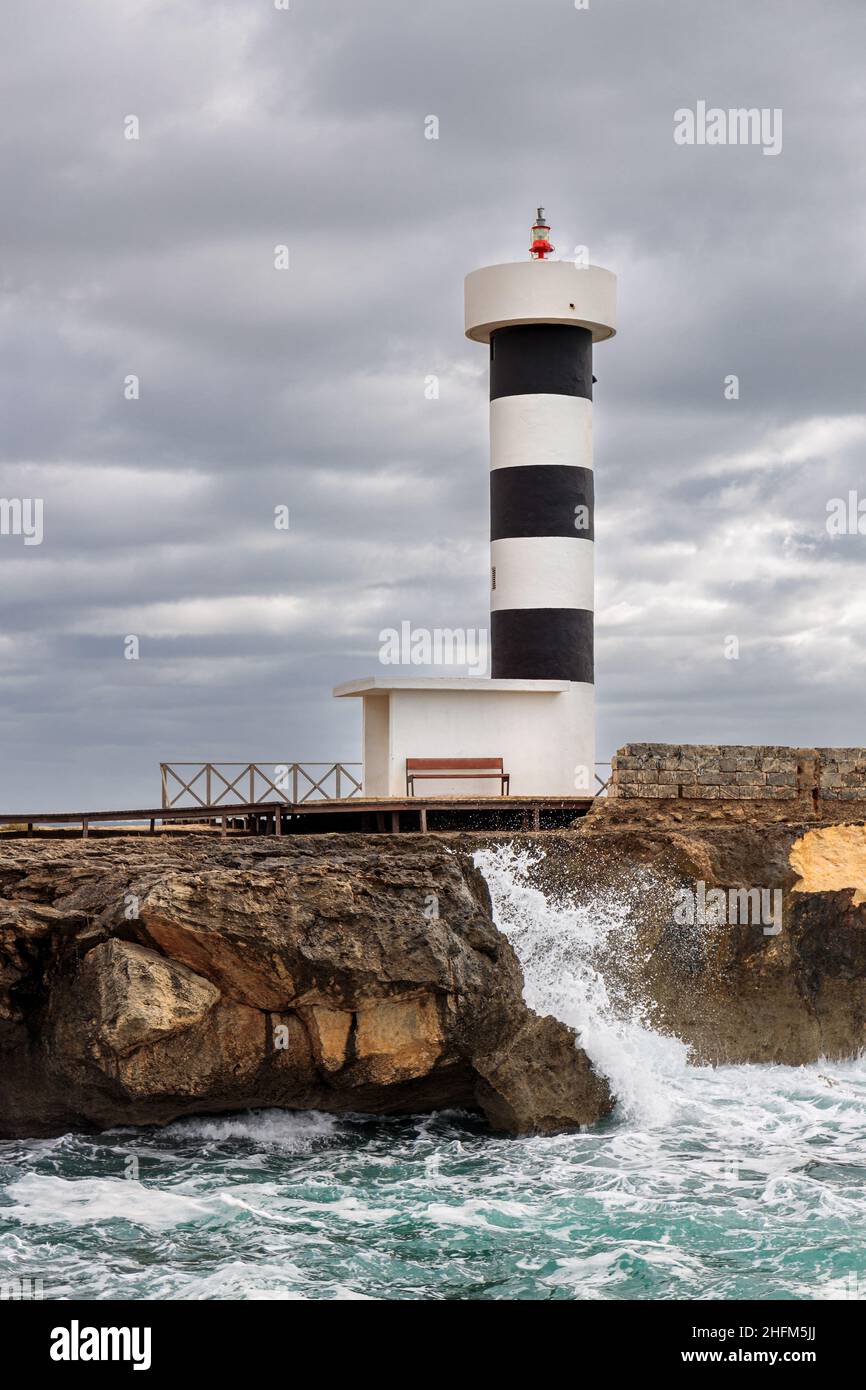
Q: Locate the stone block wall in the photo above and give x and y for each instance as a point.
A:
(738, 772)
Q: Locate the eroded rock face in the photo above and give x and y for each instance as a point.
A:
(831, 858)
(133, 997)
(142, 980)
(739, 990)
(526, 1081)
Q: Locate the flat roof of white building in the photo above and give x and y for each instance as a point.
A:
(368, 684)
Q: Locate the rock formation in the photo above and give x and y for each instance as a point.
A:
(145, 979)
(142, 980)
(739, 989)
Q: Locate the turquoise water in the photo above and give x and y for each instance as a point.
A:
(745, 1182)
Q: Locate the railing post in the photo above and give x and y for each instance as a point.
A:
(207, 794)
(163, 767)
(294, 784)
(337, 765)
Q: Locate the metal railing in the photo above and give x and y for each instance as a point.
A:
(224, 784)
(227, 784)
(262, 812)
(604, 779)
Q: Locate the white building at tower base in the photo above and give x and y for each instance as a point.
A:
(531, 725)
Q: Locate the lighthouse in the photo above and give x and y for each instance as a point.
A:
(539, 318)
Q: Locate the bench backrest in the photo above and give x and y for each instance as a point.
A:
(455, 764)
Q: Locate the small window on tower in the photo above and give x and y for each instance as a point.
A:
(493, 576)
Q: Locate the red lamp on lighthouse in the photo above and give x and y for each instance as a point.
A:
(541, 246)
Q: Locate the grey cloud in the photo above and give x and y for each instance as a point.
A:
(306, 387)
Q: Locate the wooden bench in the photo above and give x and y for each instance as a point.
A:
(451, 769)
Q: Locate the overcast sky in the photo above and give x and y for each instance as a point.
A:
(306, 388)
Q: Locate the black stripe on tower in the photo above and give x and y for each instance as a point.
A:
(541, 358)
(542, 644)
(546, 499)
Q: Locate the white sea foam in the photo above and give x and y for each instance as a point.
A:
(254, 1282)
(45, 1200)
(478, 1212)
(292, 1130)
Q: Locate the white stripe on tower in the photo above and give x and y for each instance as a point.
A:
(540, 429)
(542, 572)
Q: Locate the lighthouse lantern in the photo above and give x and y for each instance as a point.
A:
(541, 246)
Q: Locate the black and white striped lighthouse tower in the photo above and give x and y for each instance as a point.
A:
(541, 318)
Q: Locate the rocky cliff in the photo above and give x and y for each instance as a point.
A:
(748, 921)
(142, 980)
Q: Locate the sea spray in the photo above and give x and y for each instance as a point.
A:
(564, 947)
